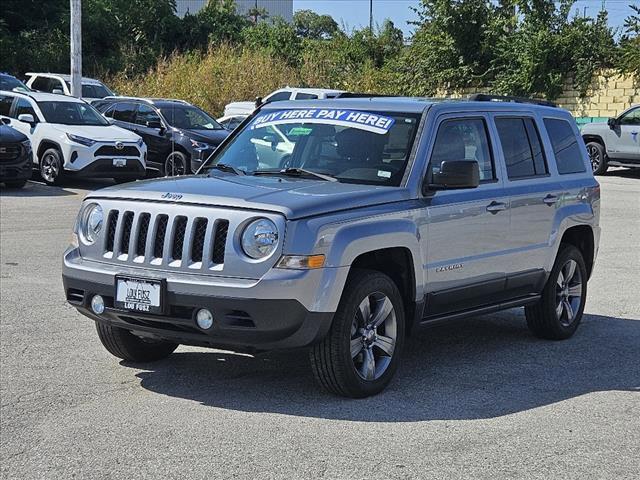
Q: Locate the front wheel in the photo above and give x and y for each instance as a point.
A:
(558, 313)
(176, 164)
(51, 166)
(360, 354)
(123, 344)
(598, 158)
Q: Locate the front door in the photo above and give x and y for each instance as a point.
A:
(629, 142)
(149, 126)
(467, 230)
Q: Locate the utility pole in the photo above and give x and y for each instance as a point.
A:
(76, 48)
(371, 17)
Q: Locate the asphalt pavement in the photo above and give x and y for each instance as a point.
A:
(478, 399)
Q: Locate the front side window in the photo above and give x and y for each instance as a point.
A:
(463, 139)
(147, 116)
(305, 96)
(279, 97)
(521, 147)
(565, 146)
(352, 146)
(632, 117)
(93, 90)
(124, 112)
(23, 106)
(42, 84)
(189, 117)
(71, 113)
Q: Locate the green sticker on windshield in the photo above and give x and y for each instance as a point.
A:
(299, 132)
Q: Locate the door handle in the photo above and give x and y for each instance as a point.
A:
(495, 207)
(550, 199)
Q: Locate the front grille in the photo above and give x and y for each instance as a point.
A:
(9, 152)
(172, 241)
(112, 151)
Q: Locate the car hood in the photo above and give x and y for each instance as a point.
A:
(110, 133)
(10, 135)
(292, 197)
(213, 137)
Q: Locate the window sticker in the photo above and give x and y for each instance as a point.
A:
(371, 122)
(384, 174)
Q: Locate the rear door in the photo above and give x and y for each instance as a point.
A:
(468, 229)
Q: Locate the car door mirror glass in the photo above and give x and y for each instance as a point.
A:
(454, 174)
(26, 118)
(154, 124)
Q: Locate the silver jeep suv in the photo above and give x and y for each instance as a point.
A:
(374, 216)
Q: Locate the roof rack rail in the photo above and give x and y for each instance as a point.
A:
(488, 97)
(361, 95)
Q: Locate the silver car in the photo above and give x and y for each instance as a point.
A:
(389, 214)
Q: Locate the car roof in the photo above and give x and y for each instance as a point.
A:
(44, 97)
(153, 101)
(406, 104)
(308, 90)
(65, 77)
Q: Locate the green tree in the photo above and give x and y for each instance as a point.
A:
(629, 56)
(309, 24)
(277, 38)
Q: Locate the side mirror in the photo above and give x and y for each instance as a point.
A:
(258, 101)
(154, 124)
(5, 121)
(455, 174)
(612, 122)
(27, 118)
(272, 139)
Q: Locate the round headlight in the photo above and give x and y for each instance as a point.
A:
(260, 238)
(92, 223)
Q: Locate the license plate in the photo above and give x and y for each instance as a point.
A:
(119, 162)
(138, 295)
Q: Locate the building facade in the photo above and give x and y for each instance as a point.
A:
(275, 8)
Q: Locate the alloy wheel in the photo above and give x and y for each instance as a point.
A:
(594, 157)
(49, 168)
(568, 293)
(175, 166)
(373, 336)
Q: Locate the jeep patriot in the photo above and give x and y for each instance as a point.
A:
(339, 226)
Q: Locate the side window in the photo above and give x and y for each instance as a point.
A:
(280, 96)
(56, 85)
(23, 106)
(632, 117)
(521, 147)
(305, 96)
(125, 112)
(464, 139)
(146, 114)
(42, 84)
(5, 105)
(565, 146)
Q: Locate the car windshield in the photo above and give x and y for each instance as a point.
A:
(71, 113)
(189, 118)
(8, 83)
(351, 146)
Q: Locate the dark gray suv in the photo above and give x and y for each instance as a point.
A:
(376, 216)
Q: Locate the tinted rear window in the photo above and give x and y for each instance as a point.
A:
(565, 146)
(521, 147)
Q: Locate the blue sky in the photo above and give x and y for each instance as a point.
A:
(355, 13)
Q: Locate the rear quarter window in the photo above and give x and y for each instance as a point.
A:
(565, 146)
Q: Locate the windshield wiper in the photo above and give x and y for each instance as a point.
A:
(296, 172)
(228, 168)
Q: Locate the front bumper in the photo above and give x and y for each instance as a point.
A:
(104, 168)
(249, 315)
(16, 170)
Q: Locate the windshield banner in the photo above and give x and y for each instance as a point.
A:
(371, 122)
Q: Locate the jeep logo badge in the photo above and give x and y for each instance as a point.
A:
(172, 196)
(119, 145)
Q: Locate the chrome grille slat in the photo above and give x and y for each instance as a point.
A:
(186, 243)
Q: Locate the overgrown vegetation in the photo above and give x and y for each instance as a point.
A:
(525, 47)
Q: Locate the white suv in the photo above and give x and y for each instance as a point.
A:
(70, 137)
(92, 89)
(287, 93)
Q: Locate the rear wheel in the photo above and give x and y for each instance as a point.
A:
(360, 354)
(598, 158)
(559, 312)
(123, 344)
(51, 166)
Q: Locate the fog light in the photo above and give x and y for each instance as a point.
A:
(204, 319)
(97, 304)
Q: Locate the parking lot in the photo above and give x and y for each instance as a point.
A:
(481, 398)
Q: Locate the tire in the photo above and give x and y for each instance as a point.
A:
(15, 183)
(598, 158)
(176, 164)
(334, 366)
(51, 166)
(123, 344)
(558, 313)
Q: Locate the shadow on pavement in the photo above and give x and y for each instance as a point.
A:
(36, 188)
(624, 173)
(478, 368)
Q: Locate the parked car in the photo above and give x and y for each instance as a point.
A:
(287, 93)
(70, 137)
(615, 143)
(393, 213)
(179, 136)
(92, 89)
(9, 82)
(15, 157)
(231, 122)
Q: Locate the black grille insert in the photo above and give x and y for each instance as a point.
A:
(178, 237)
(141, 243)
(9, 151)
(161, 232)
(112, 223)
(127, 223)
(112, 151)
(199, 231)
(219, 241)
